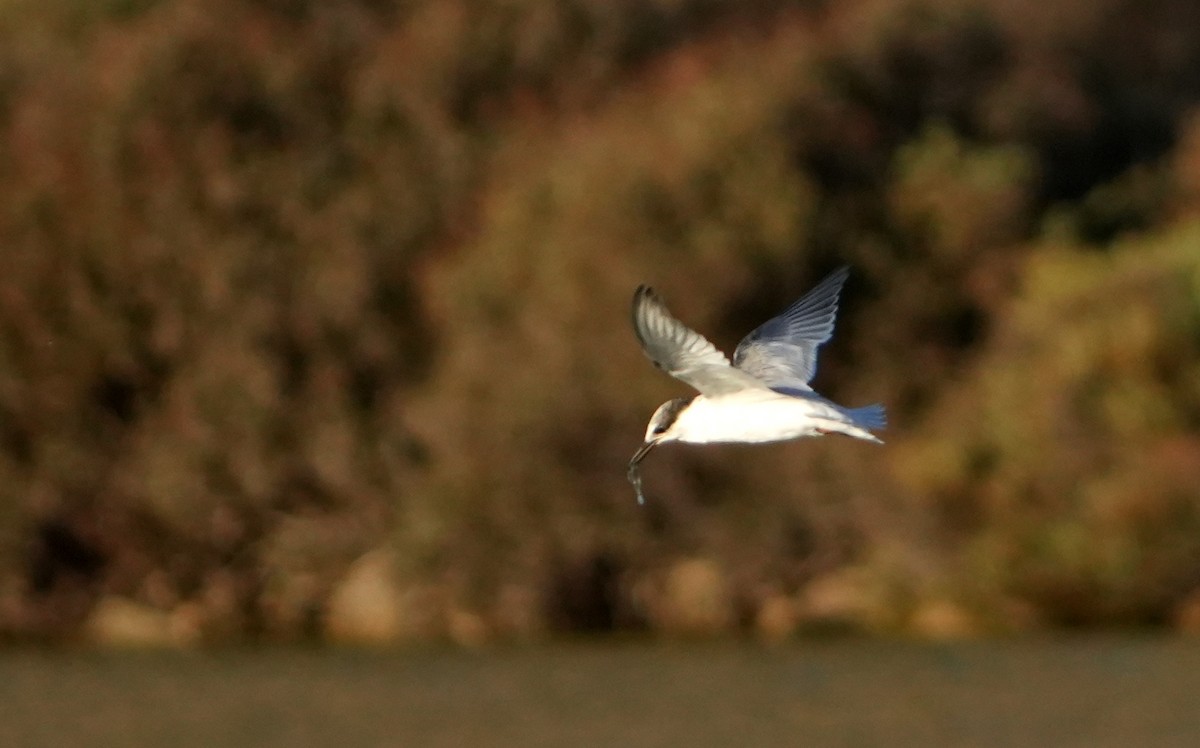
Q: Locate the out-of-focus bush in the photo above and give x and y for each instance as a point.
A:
(1061, 463)
(285, 283)
(209, 308)
(958, 203)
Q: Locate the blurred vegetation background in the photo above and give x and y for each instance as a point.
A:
(313, 315)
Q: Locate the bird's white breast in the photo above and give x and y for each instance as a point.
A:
(752, 416)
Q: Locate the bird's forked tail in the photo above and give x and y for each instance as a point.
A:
(868, 417)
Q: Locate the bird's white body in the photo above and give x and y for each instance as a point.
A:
(763, 394)
(759, 416)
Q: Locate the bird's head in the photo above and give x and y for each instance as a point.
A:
(663, 427)
(663, 424)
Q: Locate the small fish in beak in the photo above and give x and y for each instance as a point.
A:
(635, 473)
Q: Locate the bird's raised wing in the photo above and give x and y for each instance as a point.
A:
(782, 352)
(682, 352)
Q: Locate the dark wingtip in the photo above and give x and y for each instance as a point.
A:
(838, 276)
(642, 294)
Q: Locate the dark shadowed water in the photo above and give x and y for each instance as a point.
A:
(1095, 691)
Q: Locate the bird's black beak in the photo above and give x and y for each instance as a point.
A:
(640, 455)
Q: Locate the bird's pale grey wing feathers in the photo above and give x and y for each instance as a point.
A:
(783, 367)
(682, 352)
(783, 350)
